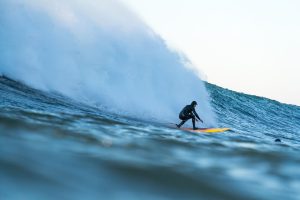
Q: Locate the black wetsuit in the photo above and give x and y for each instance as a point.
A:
(188, 112)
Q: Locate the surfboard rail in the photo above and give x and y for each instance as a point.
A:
(206, 130)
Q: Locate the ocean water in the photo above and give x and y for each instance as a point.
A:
(54, 147)
(87, 95)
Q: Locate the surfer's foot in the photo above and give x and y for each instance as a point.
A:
(195, 128)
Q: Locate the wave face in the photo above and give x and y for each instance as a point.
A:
(256, 116)
(97, 52)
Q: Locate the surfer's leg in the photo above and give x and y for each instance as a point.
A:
(193, 120)
(184, 119)
(181, 123)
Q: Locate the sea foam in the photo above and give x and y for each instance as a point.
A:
(101, 53)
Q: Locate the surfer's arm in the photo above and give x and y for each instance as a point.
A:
(195, 113)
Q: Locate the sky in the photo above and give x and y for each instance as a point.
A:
(247, 46)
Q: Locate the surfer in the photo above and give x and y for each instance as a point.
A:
(189, 112)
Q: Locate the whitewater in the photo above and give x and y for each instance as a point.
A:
(87, 95)
(85, 52)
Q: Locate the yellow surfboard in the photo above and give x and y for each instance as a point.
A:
(206, 130)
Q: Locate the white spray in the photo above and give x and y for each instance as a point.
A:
(98, 52)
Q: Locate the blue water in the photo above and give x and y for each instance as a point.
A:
(88, 93)
(54, 147)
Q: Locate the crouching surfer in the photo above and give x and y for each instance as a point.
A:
(189, 112)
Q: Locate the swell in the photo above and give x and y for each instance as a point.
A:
(255, 114)
(232, 108)
(49, 139)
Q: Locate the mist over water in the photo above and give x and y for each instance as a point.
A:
(98, 52)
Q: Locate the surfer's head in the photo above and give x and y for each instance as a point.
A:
(194, 103)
